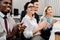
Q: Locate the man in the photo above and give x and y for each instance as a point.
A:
(36, 6)
(8, 27)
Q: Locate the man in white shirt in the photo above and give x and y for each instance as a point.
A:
(7, 27)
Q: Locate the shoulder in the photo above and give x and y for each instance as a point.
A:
(25, 19)
(43, 17)
(23, 12)
(36, 14)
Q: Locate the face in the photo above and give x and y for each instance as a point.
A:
(36, 5)
(30, 8)
(5, 6)
(49, 11)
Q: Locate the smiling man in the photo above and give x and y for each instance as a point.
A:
(8, 27)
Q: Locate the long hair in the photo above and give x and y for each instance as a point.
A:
(45, 10)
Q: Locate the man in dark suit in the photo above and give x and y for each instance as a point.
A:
(36, 6)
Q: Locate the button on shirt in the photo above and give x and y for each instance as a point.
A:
(30, 24)
(48, 20)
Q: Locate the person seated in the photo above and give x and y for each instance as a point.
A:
(8, 27)
(47, 17)
(31, 32)
(36, 6)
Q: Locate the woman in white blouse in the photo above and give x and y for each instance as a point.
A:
(32, 28)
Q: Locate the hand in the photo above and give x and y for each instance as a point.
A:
(21, 27)
(43, 24)
(54, 21)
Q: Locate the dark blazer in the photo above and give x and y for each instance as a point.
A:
(23, 13)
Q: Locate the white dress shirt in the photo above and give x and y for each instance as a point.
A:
(30, 24)
(10, 23)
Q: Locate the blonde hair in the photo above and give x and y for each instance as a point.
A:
(45, 10)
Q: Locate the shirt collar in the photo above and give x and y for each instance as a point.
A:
(1, 14)
(29, 17)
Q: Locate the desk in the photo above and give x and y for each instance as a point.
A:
(56, 28)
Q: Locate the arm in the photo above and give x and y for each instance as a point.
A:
(28, 32)
(17, 29)
(13, 33)
(2, 32)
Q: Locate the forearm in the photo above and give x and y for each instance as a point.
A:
(36, 30)
(10, 35)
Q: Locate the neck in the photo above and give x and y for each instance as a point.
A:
(4, 13)
(30, 15)
(48, 16)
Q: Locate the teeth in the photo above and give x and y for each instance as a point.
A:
(8, 8)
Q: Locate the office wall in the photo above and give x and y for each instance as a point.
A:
(19, 4)
(56, 6)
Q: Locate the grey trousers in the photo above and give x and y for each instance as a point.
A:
(37, 37)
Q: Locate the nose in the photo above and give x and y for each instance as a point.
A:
(8, 4)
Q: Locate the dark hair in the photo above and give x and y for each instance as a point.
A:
(26, 5)
(33, 1)
(0, 0)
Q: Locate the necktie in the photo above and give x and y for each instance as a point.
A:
(6, 25)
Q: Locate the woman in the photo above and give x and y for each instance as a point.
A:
(32, 28)
(47, 16)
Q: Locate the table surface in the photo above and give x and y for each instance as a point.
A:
(56, 28)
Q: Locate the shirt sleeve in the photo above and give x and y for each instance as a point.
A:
(2, 33)
(28, 30)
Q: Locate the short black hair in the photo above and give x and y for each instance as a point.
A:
(26, 5)
(0, 0)
(33, 1)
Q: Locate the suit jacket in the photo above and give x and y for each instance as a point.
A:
(2, 26)
(37, 17)
(23, 13)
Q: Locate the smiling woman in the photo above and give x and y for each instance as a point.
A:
(32, 28)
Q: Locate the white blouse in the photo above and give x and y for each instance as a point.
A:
(30, 24)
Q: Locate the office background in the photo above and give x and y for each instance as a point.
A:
(19, 4)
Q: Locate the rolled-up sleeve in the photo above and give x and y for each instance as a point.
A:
(28, 30)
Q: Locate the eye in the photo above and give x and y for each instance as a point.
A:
(7, 3)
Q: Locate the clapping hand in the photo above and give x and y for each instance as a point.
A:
(43, 24)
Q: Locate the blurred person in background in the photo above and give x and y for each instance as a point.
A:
(47, 17)
(36, 7)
